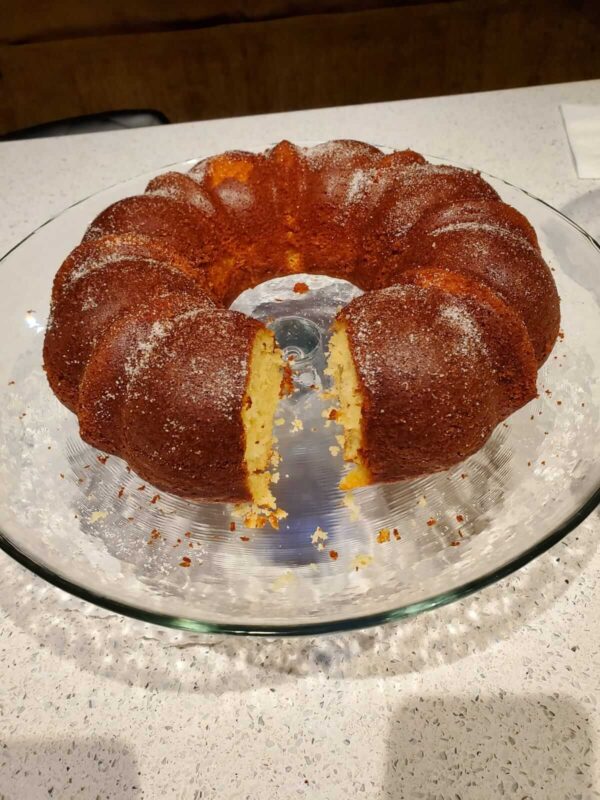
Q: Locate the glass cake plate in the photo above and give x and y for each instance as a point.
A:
(91, 527)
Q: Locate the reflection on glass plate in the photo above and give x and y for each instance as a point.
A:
(91, 526)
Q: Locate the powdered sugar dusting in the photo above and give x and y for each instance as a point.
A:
(336, 153)
(96, 262)
(359, 181)
(200, 372)
(462, 321)
(197, 198)
(89, 303)
(425, 185)
(404, 331)
(140, 357)
(496, 229)
(237, 196)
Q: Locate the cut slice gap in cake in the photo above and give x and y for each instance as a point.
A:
(266, 377)
(349, 399)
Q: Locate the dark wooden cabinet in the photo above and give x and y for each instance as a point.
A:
(197, 60)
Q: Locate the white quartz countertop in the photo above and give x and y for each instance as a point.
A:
(496, 696)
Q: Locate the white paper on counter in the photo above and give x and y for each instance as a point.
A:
(582, 123)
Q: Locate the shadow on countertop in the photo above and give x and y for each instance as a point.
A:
(585, 211)
(138, 654)
(38, 769)
(523, 747)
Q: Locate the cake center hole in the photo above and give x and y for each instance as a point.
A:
(298, 338)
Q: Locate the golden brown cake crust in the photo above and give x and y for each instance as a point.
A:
(479, 211)
(97, 282)
(509, 264)
(182, 225)
(431, 393)
(448, 348)
(182, 414)
(183, 188)
(105, 381)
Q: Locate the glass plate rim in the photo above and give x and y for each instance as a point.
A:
(304, 629)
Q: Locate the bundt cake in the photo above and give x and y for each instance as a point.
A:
(424, 370)
(196, 418)
(459, 312)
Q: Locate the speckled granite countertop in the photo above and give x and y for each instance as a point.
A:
(496, 696)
